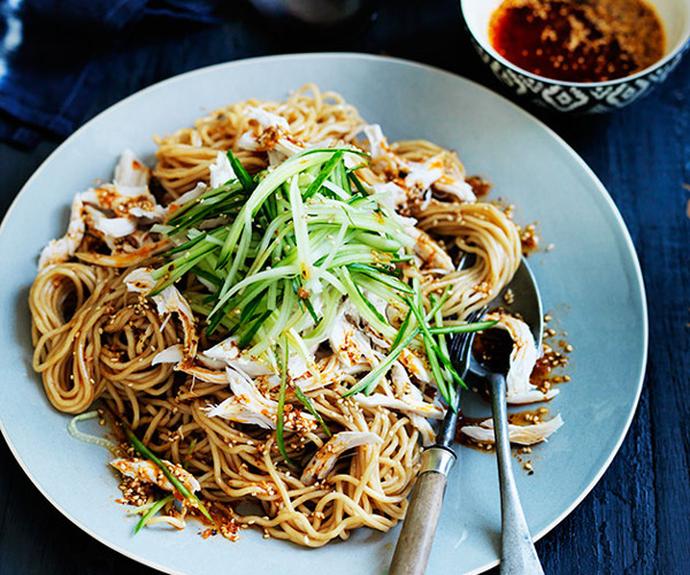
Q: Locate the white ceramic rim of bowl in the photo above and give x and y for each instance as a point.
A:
(487, 47)
(357, 55)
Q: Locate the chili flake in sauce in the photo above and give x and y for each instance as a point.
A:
(578, 40)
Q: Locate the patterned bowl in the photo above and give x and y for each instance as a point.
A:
(581, 97)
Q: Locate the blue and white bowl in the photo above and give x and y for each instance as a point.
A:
(581, 97)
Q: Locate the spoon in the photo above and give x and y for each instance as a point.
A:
(417, 534)
(518, 555)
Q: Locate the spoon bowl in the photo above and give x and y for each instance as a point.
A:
(519, 298)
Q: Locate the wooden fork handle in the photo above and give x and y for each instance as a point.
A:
(417, 534)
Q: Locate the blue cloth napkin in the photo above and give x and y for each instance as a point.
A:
(52, 52)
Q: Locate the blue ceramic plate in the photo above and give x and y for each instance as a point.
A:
(591, 281)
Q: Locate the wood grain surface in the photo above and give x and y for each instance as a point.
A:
(416, 538)
(637, 519)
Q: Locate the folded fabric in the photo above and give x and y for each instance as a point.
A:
(51, 51)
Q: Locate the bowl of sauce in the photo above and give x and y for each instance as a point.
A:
(579, 55)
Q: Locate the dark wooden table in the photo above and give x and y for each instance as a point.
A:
(637, 519)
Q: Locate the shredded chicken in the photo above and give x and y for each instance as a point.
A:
(454, 185)
(221, 171)
(185, 198)
(327, 371)
(392, 195)
(111, 212)
(209, 375)
(109, 228)
(483, 432)
(433, 173)
(407, 404)
(421, 178)
(170, 300)
(270, 133)
(324, 460)
(249, 405)
(349, 343)
(62, 249)
(404, 388)
(523, 357)
(130, 172)
(228, 352)
(147, 471)
(173, 354)
(430, 253)
(378, 145)
(415, 365)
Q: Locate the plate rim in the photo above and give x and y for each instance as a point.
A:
(630, 249)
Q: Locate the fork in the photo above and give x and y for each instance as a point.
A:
(417, 534)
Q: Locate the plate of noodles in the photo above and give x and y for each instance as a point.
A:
(227, 323)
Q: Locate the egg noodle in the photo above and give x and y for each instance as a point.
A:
(260, 407)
